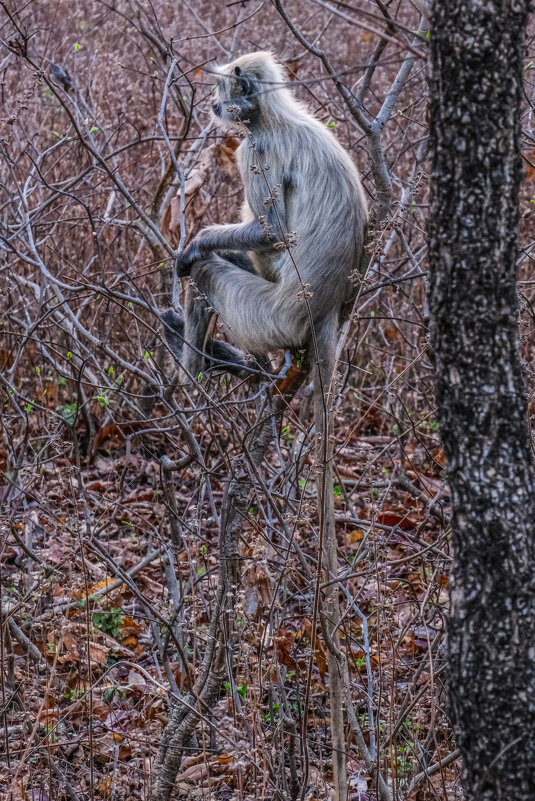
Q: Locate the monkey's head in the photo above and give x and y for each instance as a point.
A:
(249, 88)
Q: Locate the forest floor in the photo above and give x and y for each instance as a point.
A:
(86, 693)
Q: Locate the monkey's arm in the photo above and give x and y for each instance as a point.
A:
(242, 236)
(262, 235)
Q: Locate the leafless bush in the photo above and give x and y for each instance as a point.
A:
(119, 601)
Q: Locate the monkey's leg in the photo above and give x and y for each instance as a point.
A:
(188, 337)
(196, 323)
(262, 315)
(173, 330)
(198, 345)
(180, 331)
(221, 353)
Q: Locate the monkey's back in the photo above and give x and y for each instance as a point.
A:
(320, 201)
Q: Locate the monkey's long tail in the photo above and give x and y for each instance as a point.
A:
(325, 344)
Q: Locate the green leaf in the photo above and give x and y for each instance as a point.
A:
(38, 370)
(109, 621)
(127, 523)
(102, 400)
(337, 490)
(77, 46)
(28, 408)
(67, 411)
(93, 129)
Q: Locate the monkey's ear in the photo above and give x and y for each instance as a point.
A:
(238, 71)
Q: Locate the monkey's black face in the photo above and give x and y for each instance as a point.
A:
(236, 98)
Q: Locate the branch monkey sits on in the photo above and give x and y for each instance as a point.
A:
(280, 278)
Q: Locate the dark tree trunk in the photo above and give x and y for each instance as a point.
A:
(476, 87)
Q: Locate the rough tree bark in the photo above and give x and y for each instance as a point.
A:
(477, 56)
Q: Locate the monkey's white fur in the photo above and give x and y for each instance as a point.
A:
(298, 180)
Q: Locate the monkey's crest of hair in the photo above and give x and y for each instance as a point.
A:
(254, 86)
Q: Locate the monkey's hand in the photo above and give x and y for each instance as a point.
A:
(187, 259)
(206, 240)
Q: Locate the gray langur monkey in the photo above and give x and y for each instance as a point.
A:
(280, 278)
